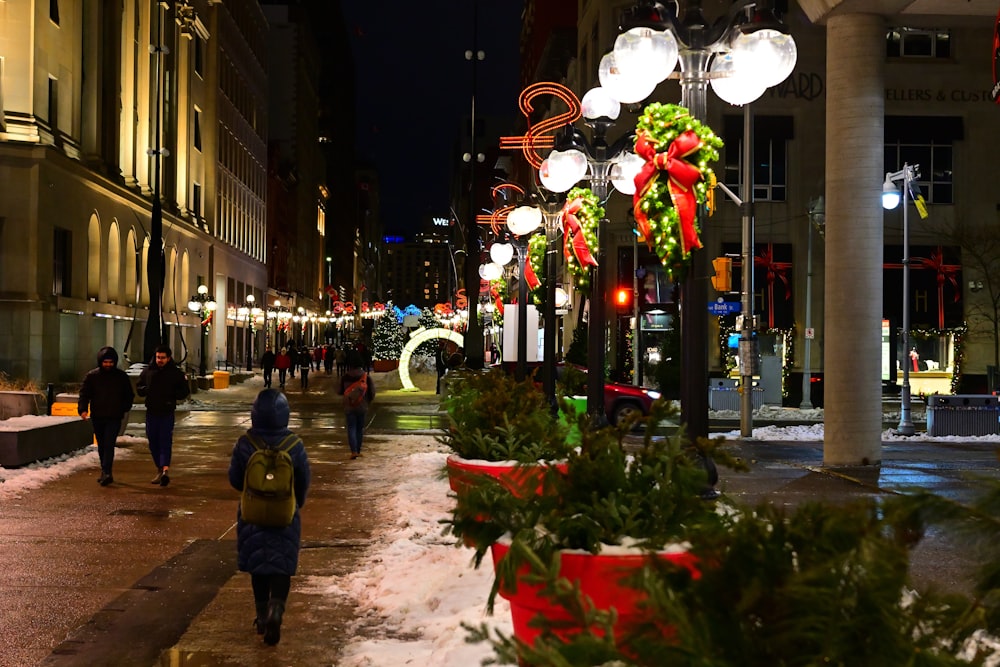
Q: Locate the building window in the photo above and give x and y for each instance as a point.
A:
(199, 55)
(54, 11)
(770, 155)
(927, 141)
(53, 93)
(62, 245)
(197, 129)
(196, 201)
(914, 43)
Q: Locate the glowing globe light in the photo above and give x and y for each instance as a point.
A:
(646, 55)
(490, 271)
(732, 81)
(562, 170)
(624, 88)
(624, 170)
(523, 220)
(598, 103)
(501, 253)
(770, 55)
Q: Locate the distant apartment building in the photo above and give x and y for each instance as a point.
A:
(419, 272)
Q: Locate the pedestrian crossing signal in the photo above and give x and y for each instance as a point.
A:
(722, 281)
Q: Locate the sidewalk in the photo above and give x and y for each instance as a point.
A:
(133, 574)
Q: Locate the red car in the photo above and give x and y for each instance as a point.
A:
(621, 401)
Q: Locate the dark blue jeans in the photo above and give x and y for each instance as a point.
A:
(355, 430)
(106, 432)
(160, 431)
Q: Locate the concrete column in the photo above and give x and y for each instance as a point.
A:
(855, 106)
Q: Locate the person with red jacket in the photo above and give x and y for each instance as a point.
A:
(282, 362)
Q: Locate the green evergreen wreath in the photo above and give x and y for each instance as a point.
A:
(536, 256)
(674, 182)
(588, 215)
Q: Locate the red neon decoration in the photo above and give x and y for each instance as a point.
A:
(537, 136)
(461, 301)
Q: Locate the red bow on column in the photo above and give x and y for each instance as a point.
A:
(573, 236)
(773, 270)
(682, 174)
(944, 272)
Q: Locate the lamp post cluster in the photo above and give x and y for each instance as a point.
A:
(907, 177)
(250, 312)
(204, 305)
(740, 55)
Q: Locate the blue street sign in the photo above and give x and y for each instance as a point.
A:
(724, 307)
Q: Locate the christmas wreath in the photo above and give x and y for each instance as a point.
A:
(580, 217)
(674, 181)
(535, 268)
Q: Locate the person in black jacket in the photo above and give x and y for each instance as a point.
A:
(162, 383)
(269, 555)
(267, 365)
(105, 398)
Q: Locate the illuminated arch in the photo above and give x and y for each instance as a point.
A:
(419, 336)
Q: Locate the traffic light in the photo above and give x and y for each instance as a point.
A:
(623, 298)
(722, 281)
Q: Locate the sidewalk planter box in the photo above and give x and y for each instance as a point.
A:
(220, 380)
(205, 383)
(27, 439)
(963, 414)
(385, 365)
(518, 478)
(19, 403)
(601, 578)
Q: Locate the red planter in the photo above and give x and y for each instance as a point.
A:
(601, 579)
(385, 365)
(517, 477)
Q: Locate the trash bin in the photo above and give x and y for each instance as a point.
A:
(963, 414)
(220, 380)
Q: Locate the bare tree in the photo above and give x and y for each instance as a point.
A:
(981, 267)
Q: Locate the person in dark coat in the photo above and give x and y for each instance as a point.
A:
(105, 398)
(356, 414)
(305, 363)
(269, 555)
(267, 365)
(163, 384)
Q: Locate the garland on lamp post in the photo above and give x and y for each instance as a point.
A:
(675, 180)
(536, 262)
(581, 215)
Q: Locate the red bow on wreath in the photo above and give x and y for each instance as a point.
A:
(573, 236)
(773, 270)
(529, 275)
(682, 174)
(497, 301)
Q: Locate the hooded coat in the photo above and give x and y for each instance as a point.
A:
(106, 392)
(263, 550)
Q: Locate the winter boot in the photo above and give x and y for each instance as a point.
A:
(272, 625)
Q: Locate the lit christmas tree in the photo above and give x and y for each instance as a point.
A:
(387, 337)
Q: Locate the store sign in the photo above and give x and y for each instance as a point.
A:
(439, 222)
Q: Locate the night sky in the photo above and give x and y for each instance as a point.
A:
(414, 87)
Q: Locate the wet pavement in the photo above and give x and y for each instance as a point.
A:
(135, 574)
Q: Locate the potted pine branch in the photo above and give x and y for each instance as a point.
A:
(612, 511)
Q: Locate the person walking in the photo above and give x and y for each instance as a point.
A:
(282, 362)
(293, 357)
(305, 363)
(358, 390)
(267, 365)
(328, 358)
(269, 555)
(341, 356)
(105, 398)
(162, 384)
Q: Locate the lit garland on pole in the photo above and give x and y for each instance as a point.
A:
(580, 216)
(674, 181)
(536, 264)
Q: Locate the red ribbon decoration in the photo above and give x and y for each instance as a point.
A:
(944, 272)
(682, 174)
(773, 271)
(497, 301)
(573, 236)
(529, 275)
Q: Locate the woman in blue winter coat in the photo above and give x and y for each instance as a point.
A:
(269, 555)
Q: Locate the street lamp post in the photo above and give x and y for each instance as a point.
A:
(576, 159)
(251, 313)
(204, 304)
(817, 218)
(907, 176)
(741, 54)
